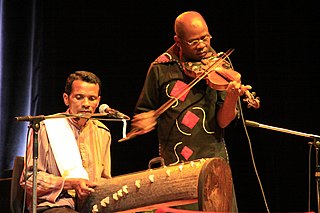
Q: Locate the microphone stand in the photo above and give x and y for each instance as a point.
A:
(35, 124)
(315, 142)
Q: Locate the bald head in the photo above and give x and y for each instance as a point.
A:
(189, 22)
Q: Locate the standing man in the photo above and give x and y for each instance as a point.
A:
(193, 127)
(73, 154)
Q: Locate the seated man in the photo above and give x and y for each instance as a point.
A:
(73, 154)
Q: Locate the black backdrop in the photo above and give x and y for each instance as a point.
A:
(275, 46)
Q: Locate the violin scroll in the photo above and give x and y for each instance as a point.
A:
(251, 100)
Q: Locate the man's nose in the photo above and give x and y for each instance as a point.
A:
(86, 102)
(201, 44)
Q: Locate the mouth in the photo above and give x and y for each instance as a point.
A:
(85, 112)
(202, 53)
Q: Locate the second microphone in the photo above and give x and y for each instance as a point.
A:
(104, 108)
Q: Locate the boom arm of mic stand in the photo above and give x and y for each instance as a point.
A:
(256, 124)
(58, 115)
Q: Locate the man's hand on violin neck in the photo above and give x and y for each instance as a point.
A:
(237, 89)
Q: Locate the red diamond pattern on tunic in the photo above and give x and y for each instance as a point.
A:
(190, 119)
(178, 88)
(186, 152)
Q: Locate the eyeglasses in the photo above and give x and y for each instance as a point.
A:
(196, 42)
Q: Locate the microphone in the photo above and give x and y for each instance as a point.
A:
(104, 108)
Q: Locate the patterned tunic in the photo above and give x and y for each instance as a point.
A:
(188, 129)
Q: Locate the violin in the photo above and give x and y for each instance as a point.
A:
(219, 76)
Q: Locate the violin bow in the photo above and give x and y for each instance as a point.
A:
(134, 132)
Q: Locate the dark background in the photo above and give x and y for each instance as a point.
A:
(275, 44)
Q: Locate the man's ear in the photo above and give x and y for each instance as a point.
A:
(99, 98)
(66, 99)
(177, 40)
